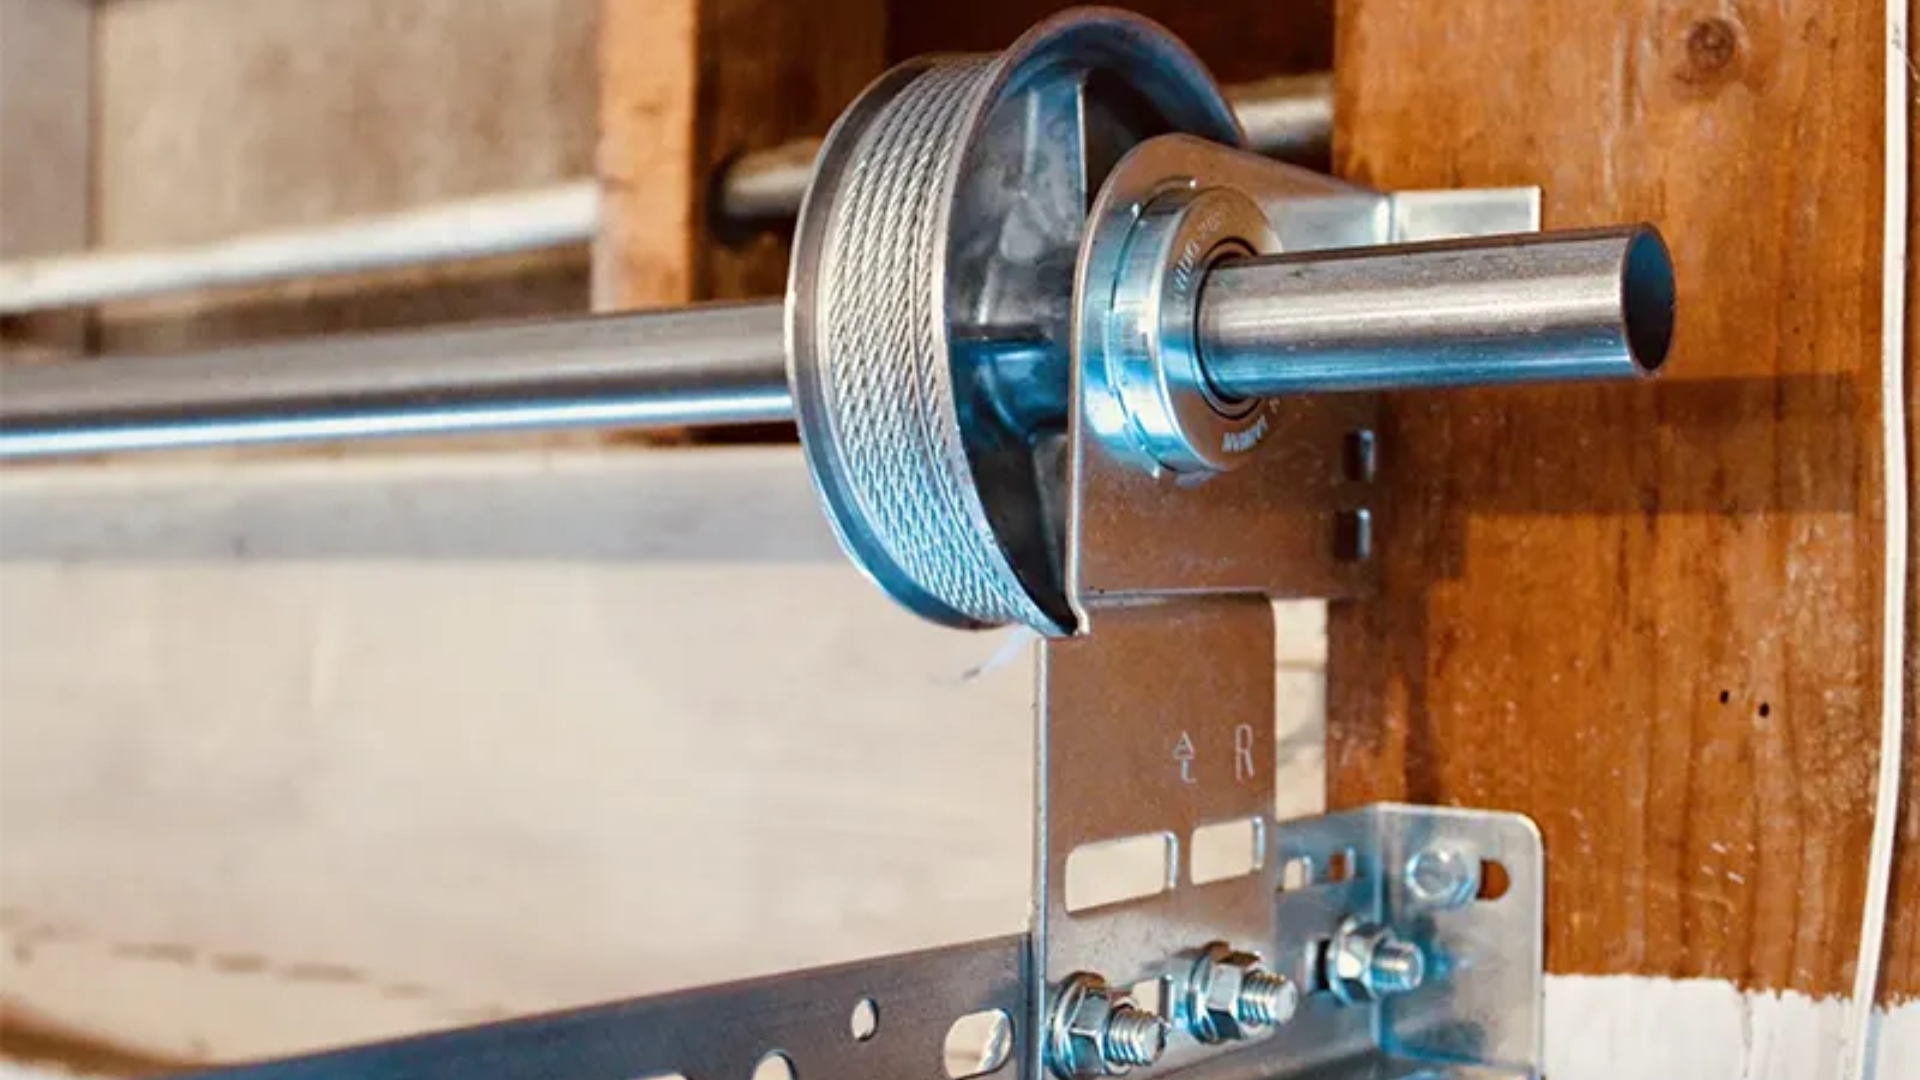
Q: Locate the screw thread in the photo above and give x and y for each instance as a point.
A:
(1266, 999)
(1397, 967)
(1133, 1037)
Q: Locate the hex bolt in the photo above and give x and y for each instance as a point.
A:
(1442, 877)
(1094, 1030)
(1398, 967)
(1229, 995)
(1133, 1037)
(1267, 999)
(1366, 962)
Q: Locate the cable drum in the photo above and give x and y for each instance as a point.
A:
(947, 176)
(890, 400)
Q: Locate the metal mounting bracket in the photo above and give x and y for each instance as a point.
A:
(1463, 886)
(1348, 945)
(954, 1013)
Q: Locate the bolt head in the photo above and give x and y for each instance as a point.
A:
(1216, 989)
(1367, 961)
(1442, 877)
(1083, 1019)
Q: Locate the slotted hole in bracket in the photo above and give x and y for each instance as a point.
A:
(1296, 873)
(1226, 849)
(1343, 866)
(1150, 995)
(864, 1023)
(1113, 871)
(978, 1044)
(1494, 881)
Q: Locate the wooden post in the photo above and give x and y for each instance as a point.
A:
(1648, 616)
(684, 86)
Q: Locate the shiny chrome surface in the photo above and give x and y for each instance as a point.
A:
(1159, 720)
(1095, 1030)
(1289, 117)
(1552, 306)
(765, 186)
(940, 238)
(1172, 415)
(1479, 999)
(1367, 962)
(719, 364)
(1231, 995)
(1268, 527)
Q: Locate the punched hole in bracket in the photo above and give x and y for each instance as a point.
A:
(864, 1022)
(1494, 881)
(1296, 873)
(1150, 995)
(1342, 866)
(978, 1044)
(774, 1065)
(1113, 871)
(1227, 849)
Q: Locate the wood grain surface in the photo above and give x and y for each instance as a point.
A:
(685, 85)
(1648, 616)
(1240, 40)
(645, 250)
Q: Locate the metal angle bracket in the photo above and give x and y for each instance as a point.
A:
(1422, 877)
(1461, 890)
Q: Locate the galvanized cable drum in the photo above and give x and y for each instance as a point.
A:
(931, 295)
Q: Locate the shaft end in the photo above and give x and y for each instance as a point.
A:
(1647, 298)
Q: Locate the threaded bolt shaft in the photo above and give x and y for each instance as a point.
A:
(1266, 999)
(1397, 967)
(1133, 1037)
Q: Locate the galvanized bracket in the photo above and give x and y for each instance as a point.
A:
(1465, 887)
(960, 1012)
(1155, 723)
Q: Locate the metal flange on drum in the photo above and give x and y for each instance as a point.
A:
(931, 302)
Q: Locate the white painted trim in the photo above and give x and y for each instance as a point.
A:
(1607, 1027)
(1857, 1047)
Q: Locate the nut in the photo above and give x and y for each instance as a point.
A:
(1231, 996)
(1442, 877)
(1096, 1031)
(1366, 962)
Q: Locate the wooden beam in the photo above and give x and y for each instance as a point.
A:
(1240, 40)
(684, 86)
(1647, 616)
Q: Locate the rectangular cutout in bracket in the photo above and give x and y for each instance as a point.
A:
(1113, 871)
(1227, 849)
